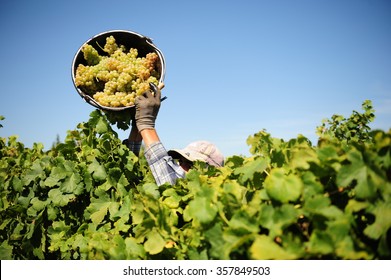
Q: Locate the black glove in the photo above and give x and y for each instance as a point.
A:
(147, 108)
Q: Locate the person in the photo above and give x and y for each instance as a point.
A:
(166, 166)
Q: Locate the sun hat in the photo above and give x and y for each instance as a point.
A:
(202, 151)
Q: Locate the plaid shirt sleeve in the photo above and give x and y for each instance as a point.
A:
(163, 168)
(135, 147)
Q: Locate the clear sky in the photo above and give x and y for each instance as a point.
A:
(233, 68)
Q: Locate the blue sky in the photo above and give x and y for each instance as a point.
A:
(233, 68)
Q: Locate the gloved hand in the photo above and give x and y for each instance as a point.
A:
(147, 108)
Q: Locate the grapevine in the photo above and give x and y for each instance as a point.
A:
(116, 79)
(90, 197)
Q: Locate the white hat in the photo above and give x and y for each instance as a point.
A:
(202, 151)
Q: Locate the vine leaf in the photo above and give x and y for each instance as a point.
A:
(382, 222)
(98, 211)
(264, 248)
(35, 171)
(155, 243)
(357, 171)
(251, 167)
(59, 198)
(201, 209)
(97, 170)
(282, 187)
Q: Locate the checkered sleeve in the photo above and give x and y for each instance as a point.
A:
(135, 147)
(163, 168)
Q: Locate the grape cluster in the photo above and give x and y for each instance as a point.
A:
(115, 80)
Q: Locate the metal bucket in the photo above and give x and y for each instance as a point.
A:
(129, 39)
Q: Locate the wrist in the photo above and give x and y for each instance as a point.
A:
(142, 124)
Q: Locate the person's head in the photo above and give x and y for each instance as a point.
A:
(198, 151)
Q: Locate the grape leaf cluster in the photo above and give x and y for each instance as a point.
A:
(90, 197)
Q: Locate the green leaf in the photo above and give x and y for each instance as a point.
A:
(133, 249)
(243, 223)
(316, 202)
(331, 212)
(6, 251)
(201, 209)
(53, 212)
(123, 181)
(276, 219)
(36, 206)
(34, 172)
(101, 126)
(355, 206)
(98, 209)
(263, 248)
(56, 233)
(150, 189)
(252, 166)
(72, 184)
(172, 199)
(312, 185)
(302, 157)
(235, 189)
(155, 243)
(321, 205)
(382, 223)
(345, 249)
(125, 208)
(80, 242)
(218, 245)
(51, 181)
(17, 184)
(98, 216)
(98, 171)
(57, 174)
(357, 171)
(320, 243)
(137, 213)
(122, 225)
(282, 187)
(59, 198)
(339, 230)
(327, 153)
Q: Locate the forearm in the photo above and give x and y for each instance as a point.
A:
(149, 136)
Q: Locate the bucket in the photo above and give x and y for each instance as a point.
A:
(129, 39)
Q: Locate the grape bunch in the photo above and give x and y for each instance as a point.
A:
(116, 79)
